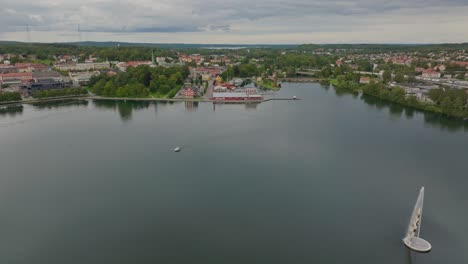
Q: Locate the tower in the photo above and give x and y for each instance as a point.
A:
(28, 33)
(152, 57)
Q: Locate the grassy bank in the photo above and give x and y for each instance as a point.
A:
(268, 85)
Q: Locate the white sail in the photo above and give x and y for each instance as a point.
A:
(412, 239)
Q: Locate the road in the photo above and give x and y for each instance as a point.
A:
(209, 91)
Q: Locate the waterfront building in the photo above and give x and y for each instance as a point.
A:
(251, 91)
(235, 96)
(44, 84)
(220, 88)
(189, 91)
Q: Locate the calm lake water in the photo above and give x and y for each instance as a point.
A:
(331, 178)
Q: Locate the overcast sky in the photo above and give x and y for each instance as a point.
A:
(239, 21)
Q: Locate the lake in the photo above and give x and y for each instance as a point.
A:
(331, 178)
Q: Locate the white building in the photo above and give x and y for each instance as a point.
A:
(82, 66)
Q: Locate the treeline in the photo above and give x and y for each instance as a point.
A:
(380, 48)
(451, 102)
(59, 92)
(140, 81)
(48, 51)
(10, 96)
(242, 70)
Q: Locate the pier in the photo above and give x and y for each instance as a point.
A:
(302, 80)
(201, 100)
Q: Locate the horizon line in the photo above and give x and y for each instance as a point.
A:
(234, 44)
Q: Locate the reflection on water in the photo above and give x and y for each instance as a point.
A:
(11, 110)
(445, 123)
(60, 104)
(379, 104)
(396, 110)
(251, 106)
(191, 106)
(342, 92)
(125, 108)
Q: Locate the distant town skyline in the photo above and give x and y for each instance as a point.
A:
(239, 22)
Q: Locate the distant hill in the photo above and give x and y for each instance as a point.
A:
(174, 45)
(366, 48)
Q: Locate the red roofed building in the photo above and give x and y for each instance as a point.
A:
(111, 73)
(250, 91)
(339, 63)
(15, 76)
(29, 67)
(7, 69)
(213, 71)
(461, 63)
(430, 73)
(364, 80)
(138, 63)
(189, 92)
(228, 86)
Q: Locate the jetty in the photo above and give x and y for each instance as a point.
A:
(412, 239)
(92, 97)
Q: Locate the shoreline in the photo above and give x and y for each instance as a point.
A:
(52, 99)
(422, 107)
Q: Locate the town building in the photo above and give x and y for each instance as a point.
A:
(206, 72)
(30, 67)
(251, 91)
(43, 84)
(461, 63)
(364, 80)
(219, 89)
(15, 78)
(82, 66)
(440, 68)
(54, 75)
(82, 78)
(430, 73)
(236, 96)
(189, 92)
(8, 69)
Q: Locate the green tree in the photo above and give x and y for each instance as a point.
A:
(397, 94)
(436, 95)
(399, 77)
(446, 105)
(387, 76)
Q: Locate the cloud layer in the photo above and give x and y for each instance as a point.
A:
(239, 21)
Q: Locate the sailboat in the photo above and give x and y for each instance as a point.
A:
(412, 239)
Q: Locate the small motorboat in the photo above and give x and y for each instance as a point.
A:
(177, 149)
(294, 97)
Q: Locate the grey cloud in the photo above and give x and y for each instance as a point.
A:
(176, 16)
